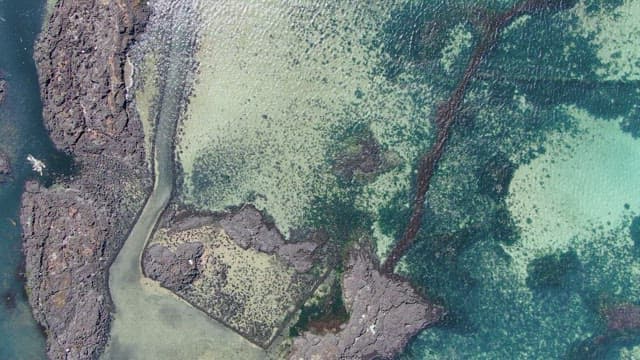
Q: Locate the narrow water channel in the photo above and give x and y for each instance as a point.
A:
(151, 322)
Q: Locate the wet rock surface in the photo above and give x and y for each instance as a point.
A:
(173, 269)
(73, 229)
(385, 313)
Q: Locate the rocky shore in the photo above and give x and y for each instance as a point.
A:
(73, 229)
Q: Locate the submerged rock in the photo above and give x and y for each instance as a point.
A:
(5, 166)
(385, 313)
(623, 317)
(3, 90)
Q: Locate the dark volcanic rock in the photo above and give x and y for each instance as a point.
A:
(72, 230)
(173, 269)
(384, 313)
(299, 255)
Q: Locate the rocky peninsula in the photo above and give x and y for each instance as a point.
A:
(73, 229)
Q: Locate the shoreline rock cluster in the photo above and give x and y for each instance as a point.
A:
(73, 229)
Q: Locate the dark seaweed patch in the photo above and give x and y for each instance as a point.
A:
(552, 271)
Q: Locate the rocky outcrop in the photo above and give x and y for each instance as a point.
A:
(173, 269)
(385, 313)
(72, 230)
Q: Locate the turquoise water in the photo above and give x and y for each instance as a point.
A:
(21, 133)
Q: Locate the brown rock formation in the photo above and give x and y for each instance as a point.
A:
(385, 312)
(72, 230)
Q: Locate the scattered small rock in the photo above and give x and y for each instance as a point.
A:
(623, 317)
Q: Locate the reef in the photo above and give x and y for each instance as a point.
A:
(73, 229)
(385, 312)
(622, 329)
(238, 268)
(552, 270)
